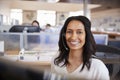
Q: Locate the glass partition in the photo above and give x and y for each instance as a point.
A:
(11, 42)
(40, 42)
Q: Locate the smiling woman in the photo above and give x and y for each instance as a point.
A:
(76, 48)
(75, 34)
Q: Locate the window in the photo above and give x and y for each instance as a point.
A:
(45, 17)
(76, 13)
(16, 16)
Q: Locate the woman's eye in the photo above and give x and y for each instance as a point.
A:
(79, 32)
(69, 32)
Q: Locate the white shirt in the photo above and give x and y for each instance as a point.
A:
(98, 71)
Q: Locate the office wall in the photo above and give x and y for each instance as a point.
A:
(104, 13)
(5, 11)
(4, 7)
(29, 16)
(107, 19)
(61, 17)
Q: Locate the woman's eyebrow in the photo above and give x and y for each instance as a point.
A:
(76, 29)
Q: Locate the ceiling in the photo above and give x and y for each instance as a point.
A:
(39, 5)
(105, 4)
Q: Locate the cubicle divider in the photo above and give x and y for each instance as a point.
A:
(11, 42)
(41, 42)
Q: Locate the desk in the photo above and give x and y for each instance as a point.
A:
(112, 35)
(111, 61)
(109, 58)
(39, 65)
(45, 59)
(14, 52)
(31, 61)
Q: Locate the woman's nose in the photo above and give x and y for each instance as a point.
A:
(74, 36)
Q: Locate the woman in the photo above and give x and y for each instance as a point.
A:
(76, 49)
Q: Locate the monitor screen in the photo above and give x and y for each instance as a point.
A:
(101, 38)
(21, 28)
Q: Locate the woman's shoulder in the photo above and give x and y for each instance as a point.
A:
(99, 66)
(97, 63)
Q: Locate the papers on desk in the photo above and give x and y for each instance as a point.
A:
(28, 57)
(31, 56)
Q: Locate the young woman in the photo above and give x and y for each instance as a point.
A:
(76, 49)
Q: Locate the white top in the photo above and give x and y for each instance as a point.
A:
(98, 71)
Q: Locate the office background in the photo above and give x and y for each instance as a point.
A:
(104, 15)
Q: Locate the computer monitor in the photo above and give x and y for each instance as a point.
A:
(101, 38)
(20, 28)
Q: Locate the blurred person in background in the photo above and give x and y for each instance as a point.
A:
(36, 23)
(49, 28)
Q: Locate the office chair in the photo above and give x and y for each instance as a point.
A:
(114, 69)
(21, 28)
(114, 43)
(29, 30)
(107, 48)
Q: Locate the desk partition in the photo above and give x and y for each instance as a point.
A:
(42, 42)
(11, 41)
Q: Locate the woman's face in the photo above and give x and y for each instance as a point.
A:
(75, 35)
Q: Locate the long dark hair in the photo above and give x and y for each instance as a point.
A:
(89, 47)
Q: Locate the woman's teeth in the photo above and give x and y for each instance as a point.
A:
(74, 42)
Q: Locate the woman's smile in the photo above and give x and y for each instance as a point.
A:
(74, 43)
